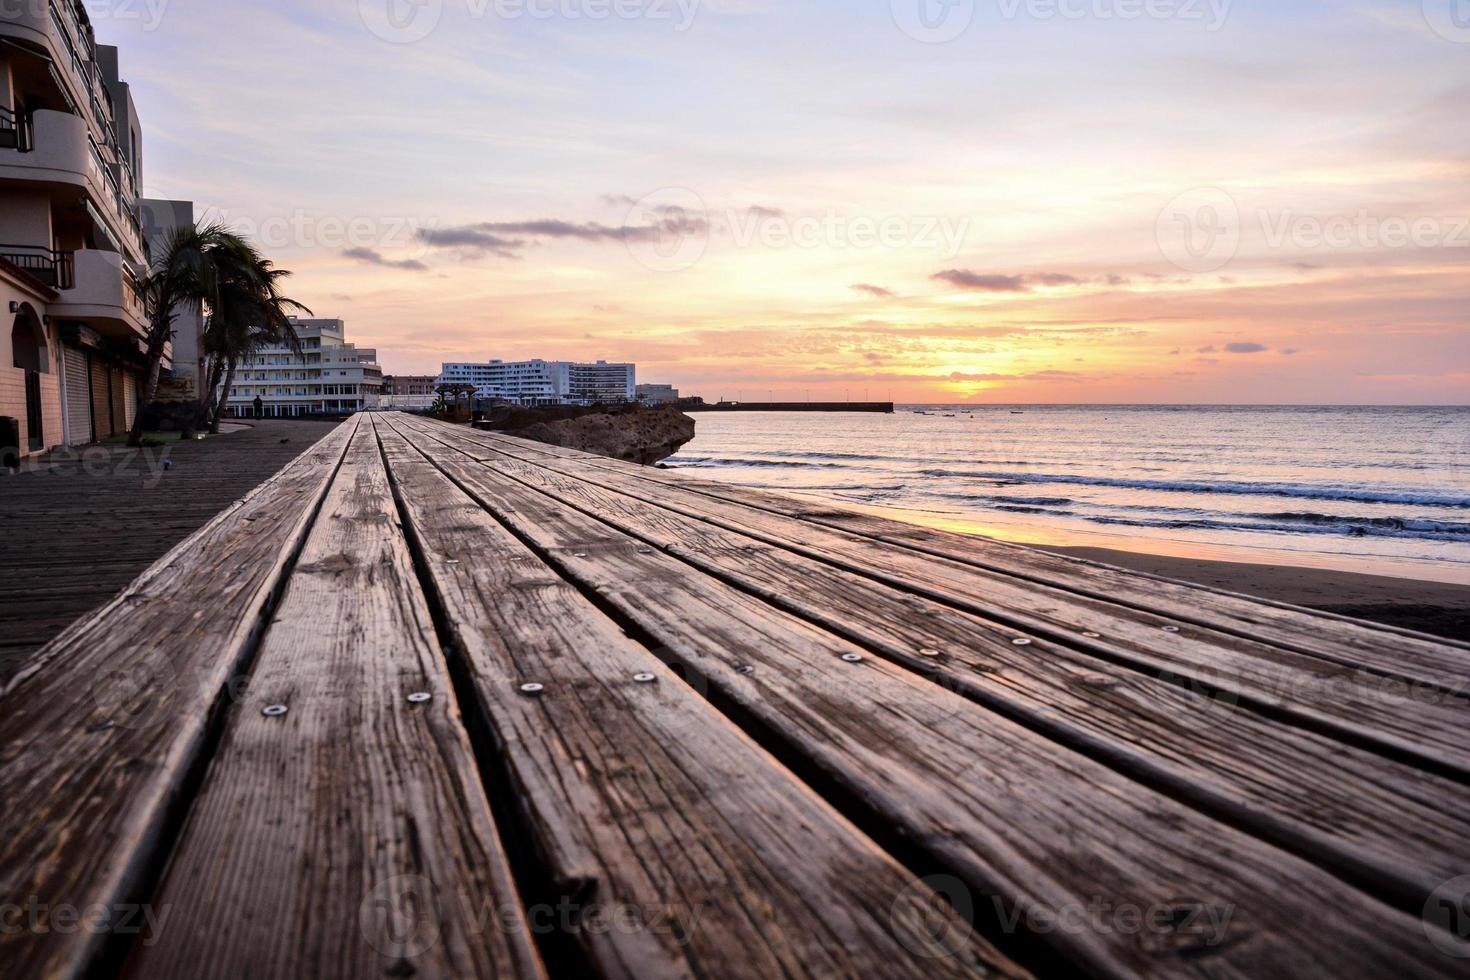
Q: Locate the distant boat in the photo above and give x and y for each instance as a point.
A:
(1018, 413)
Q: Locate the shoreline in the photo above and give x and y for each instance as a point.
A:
(1437, 608)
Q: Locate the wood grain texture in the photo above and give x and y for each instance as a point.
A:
(1379, 821)
(99, 732)
(645, 801)
(350, 837)
(1427, 724)
(1024, 821)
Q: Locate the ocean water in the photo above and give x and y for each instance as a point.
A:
(1383, 490)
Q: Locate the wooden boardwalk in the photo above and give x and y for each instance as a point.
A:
(86, 523)
(442, 703)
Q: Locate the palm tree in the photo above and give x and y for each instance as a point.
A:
(249, 312)
(184, 272)
(217, 268)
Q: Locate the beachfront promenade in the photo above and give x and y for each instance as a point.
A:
(80, 524)
(438, 702)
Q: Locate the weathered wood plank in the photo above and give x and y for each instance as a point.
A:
(98, 733)
(1387, 649)
(1030, 825)
(350, 837)
(1428, 724)
(1383, 823)
(642, 798)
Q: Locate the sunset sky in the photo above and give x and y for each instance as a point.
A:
(1258, 201)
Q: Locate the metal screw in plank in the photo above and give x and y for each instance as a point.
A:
(419, 697)
(1093, 636)
(853, 658)
(644, 678)
(747, 669)
(274, 711)
(1171, 629)
(532, 688)
(1021, 641)
(928, 652)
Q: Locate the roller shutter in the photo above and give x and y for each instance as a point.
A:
(101, 400)
(78, 397)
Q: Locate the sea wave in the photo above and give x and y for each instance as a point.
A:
(987, 498)
(1307, 491)
(698, 462)
(1178, 518)
(1427, 525)
(1422, 530)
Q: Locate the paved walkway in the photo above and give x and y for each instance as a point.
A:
(77, 526)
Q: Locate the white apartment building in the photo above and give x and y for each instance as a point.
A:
(72, 247)
(538, 382)
(329, 376)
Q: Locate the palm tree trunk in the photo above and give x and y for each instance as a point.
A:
(222, 397)
(210, 386)
(158, 335)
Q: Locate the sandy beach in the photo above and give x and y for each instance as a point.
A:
(1439, 608)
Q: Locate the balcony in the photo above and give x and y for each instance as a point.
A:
(57, 31)
(57, 151)
(15, 132)
(50, 267)
(104, 295)
(55, 148)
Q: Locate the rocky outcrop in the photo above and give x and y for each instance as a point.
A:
(636, 434)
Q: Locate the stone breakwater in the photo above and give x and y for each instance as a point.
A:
(632, 433)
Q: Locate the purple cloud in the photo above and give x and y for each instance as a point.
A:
(509, 238)
(475, 238)
(1055, 279)
(992, 283)
(983, 283)
(373, 257)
